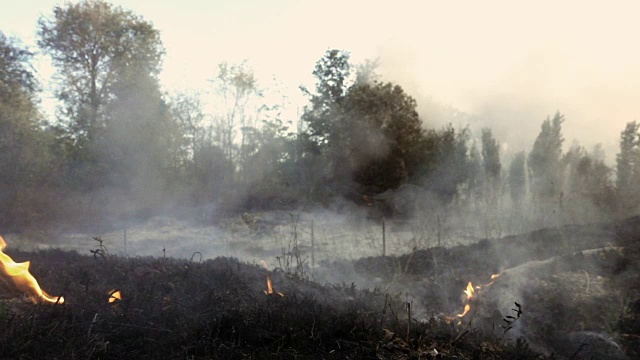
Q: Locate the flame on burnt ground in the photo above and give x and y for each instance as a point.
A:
(22, 278)
(470, 293)
(269, 290)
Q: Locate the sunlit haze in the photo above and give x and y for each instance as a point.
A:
(506, 64)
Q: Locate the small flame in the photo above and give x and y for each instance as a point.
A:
(114, 296)
(467, 308)
(269, 290)
(469, 290)
(22, 278)
(494, 277)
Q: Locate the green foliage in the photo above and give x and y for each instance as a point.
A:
(383, 136)
(95, 46)
(322, 117)
(25, 163)
(368, 138)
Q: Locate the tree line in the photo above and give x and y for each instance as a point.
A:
(120, 148)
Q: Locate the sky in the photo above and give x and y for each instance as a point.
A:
(507, 64)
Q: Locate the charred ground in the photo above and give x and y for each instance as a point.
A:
(576, 286)
(216, 309)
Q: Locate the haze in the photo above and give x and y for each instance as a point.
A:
(506, 64)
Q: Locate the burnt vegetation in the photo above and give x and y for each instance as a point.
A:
(218, 308)
(556, 224)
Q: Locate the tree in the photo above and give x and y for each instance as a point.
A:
(238, 101)
(447, 168)
(517, 178)
(141, 138)
(628, 168)
(383, 132)
(187, 110)
(476, 174)
(545, 160)
(26, 166)
(588, 187)
(93, 44)
(332, 72)
(365, 134)
(491, 159)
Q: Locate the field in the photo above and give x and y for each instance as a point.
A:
(567, 292)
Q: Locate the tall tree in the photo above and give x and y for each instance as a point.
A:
(93, 43)
(628, 168)
(491, 158)
(545, 160)
(332, 72)
(476, 173)
(367, 133)
(384, 135)
(517, 178)
(187, 110)
(26, 167)
(141, 137)
(447, 174)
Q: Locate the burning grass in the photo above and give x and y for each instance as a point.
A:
(575, 299)
(167, 308)
(578, 286)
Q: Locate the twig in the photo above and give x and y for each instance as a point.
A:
(95, 319)
(194, 254)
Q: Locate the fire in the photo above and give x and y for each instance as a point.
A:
(467, 308)
(22, 278)
(470, 292)
(269, 286)
(269, 290)
(494, 277)
(114, 295)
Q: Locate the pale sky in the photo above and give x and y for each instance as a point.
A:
(509, 64)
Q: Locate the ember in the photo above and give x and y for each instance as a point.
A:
(22, 278)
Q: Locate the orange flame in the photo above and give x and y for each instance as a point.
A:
(114, 296)
(269, 290)
(494, 277)
(471, 293)
(22, 278)
(467, 308)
